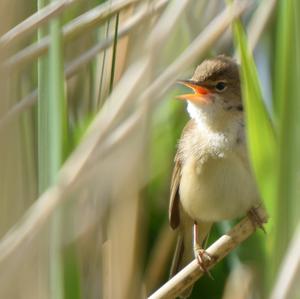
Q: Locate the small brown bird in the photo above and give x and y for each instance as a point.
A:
(212, 179)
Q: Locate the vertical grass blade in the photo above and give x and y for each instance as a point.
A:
(260, 130)
(57, 101)
(65, 273)
(114, 54)
(43, 89)
(57, 132)
(261, 135)
(287, 91)
(100, 96)
(52, 133)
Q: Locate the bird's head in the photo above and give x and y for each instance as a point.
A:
(216, 87)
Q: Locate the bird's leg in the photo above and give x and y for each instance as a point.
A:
(200, 254)
(256, 219)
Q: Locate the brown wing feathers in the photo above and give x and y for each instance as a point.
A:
(174, 214)
(174, 217)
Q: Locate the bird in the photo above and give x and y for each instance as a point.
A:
(212, 178)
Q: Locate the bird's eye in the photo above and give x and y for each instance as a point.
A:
(220, 86)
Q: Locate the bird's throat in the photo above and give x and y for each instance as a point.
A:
(213, 118)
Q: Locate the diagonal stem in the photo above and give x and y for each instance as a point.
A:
(218, 250)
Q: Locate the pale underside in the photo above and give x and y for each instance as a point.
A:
(217, 189)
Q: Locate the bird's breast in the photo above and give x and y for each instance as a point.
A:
(217, 188)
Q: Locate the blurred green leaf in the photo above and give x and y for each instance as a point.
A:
(57, 120)
(260, 131)
(261, 137)
(114, 54)
(287, 91)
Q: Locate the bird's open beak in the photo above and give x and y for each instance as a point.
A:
(199, 91)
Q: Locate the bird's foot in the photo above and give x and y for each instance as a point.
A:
(256, 219)
(203, 258)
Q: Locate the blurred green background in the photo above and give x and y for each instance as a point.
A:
(89, 124)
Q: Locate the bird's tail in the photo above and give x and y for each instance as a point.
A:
(184, 252)
(182, 256)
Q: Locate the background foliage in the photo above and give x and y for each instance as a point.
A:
(88, 130)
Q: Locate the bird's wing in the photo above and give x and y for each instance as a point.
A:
(174, 214)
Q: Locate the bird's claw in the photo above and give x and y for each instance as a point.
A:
(203, 259)
(256, 219)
